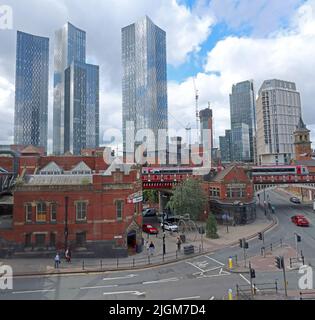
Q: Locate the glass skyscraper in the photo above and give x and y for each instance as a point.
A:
(76, 93)
(144, 83)
(31, 90)
(242, 108)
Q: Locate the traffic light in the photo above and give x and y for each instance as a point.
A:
(260, 235)
(298, 238)
(279, 262)
(241, 243)
(252, 273)
(245, 244)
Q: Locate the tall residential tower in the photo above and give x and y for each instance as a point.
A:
(144, 83)
(243, 120)
(31, 90)
(76, 94)
(278, 115)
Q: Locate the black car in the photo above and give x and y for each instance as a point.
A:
(150, 212)
(295, 200)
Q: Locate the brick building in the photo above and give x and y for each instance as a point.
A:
(232, 197)
(75, 201)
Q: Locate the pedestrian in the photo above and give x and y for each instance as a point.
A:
(57, 261)
(68, 255)
(178, 242)
(151, 248)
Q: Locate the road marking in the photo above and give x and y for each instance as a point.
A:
(212, 276)
(195, 266)
(208, 270)
(187, 298)
(249, 282)
(33, 291)
(161, 281)
(224, 272)
(137, 293)
(211, 298)
(129, 276)
(99, 287)
(220, 263)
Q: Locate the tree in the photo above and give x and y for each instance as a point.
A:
(151, 196)
(211, 227)
(188, 197)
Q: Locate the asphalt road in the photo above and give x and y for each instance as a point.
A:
(202, 277)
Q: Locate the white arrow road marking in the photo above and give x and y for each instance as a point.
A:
(195, 266)
(161, 281)
(33, 291)
(212, 275)
(124, 277)
(248, 282)
(137, 293)
(220, 263)
(187, 298)
(211, 298)
(99, 287)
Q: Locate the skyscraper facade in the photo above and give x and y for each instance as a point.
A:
(76, 93)
(278, 114)
(242, 108)
(226, 146)
(31, 90)
(144, 83)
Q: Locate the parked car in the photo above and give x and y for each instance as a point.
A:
(149, 212)
(300, 221)
(148, 228)
(295, 200)
(170, 226)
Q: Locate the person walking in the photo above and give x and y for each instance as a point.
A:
(178, 242)
(68, 255)
(57, 261)
(151, 248)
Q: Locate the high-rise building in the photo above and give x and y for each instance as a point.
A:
(242, 108)
(31, 90)
(76, 93)
(226, 146)
(278, 115)
(144, 83)
(81, 128)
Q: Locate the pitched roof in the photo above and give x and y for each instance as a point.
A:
(51, 167)
(81, 166)
(222, 174)
(30, 150)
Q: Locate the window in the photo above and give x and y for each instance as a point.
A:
(41, 212)
(40, 240)
(28, 212)
(119, 209)
(81, 211)
(118, 177)
(81, 239)
(53, 212)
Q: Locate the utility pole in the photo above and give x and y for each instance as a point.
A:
(279, 262)
(252, 275)
(66, 222)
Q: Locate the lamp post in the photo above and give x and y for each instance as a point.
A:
(66, 231)
(163, 228)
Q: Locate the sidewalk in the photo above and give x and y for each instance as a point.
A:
(143, 260)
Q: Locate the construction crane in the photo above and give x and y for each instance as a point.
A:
(197, 109)
(188, 132)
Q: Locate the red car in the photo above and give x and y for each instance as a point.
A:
(300, 221)
(148, 228)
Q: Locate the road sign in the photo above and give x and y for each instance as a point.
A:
(135, 197)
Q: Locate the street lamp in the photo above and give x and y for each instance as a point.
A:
(66, 231)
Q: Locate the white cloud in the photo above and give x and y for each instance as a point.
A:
(287, 54)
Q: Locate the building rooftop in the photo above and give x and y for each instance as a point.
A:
(45, 180)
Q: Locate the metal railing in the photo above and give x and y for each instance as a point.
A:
(307, 295)
(136, 262)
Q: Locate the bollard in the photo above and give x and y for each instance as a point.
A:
(83, 265)
(276, 283)
(290, 263)
(236, 260)
(101, 265)
(230, 294)
(281, 243)
(117, 263)
(148, 259)
(230, 263)
(133, 262)
(271, 247)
